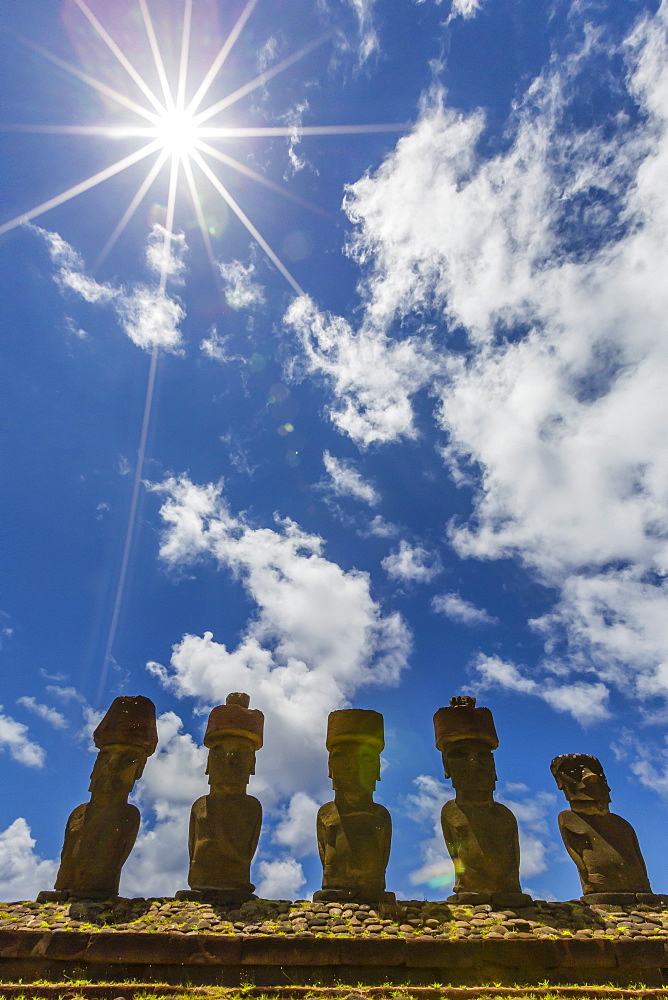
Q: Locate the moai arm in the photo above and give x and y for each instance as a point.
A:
(575, 843)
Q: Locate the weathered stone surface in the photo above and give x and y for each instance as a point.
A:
(421, 953)
(481, 835)
(291, 951)
(603, 846)
(354, 832)
(363, 951)
(639, 953)
(592, 953)
(225, 824)
(101, 833)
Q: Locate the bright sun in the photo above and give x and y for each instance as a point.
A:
(177, 133)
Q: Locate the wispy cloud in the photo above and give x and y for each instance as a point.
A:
(345, 480)
(50, 715)
(148, 316)
(457, 609)
(241, 291)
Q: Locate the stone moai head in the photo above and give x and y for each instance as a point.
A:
(582, 780)
(355, 739)
(233, 733)
(466, 737)
(126, 737)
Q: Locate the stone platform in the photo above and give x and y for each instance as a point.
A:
(272, 943)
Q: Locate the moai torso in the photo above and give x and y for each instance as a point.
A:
(98, 841)
(483, 842)
(224, 832)
(354, 847)
(606, 851)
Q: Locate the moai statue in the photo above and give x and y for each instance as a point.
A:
(480, 834)
(354, 832)
(225, 824)
(101, 833)
(603, 846)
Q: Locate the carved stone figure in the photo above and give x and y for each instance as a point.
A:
(603, 845)
(101, 833)
(480, 834)
(354, 832)
(225, 824)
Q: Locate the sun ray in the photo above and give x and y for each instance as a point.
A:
(140, 194)
(229, 161)
(199, 211)
(253, 132)
(120, 55)
(238, 211)
(104, 131)
(157, 56)
(247, 88)
(78, 189)
(218, 62)
(102, 88)
(185, 50)
(132, 517)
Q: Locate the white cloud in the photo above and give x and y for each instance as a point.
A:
(215, 347)
(412, 564)
(50, 715)
(22, 872)
(551, 257)
(65, 693)
(241, 292)
(464, 8)
(296, 828)
(585, 701)
(14, 737)
(165, 254)
(424, 807)
(372, 377)
(317, 636)
(280, 879)
(149, 316)
(345, 480)
(455, 607)
(381, 528)
(173, 778)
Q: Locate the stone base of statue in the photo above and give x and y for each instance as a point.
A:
(353, 896)
(65, 895)
(499, 900)
(623, 898)
(219, 897)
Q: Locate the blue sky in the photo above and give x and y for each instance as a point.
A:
(406, 432)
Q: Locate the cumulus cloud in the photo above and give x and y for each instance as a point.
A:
(316, 638)
(280, 879)
(372, 377)
(345, 480)
(296, 828)
(173, 778)
(50, 715)
(23, 873)
(412, 564)
(14, 738)
(148, 316)
(241, 292)
(459, 610)
(550, 257)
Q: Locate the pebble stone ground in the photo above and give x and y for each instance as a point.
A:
(303, 918)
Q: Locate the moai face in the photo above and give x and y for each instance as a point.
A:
(354, 767)
(115, 771)
(231, 763)
(470, 766)
(582, 780)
